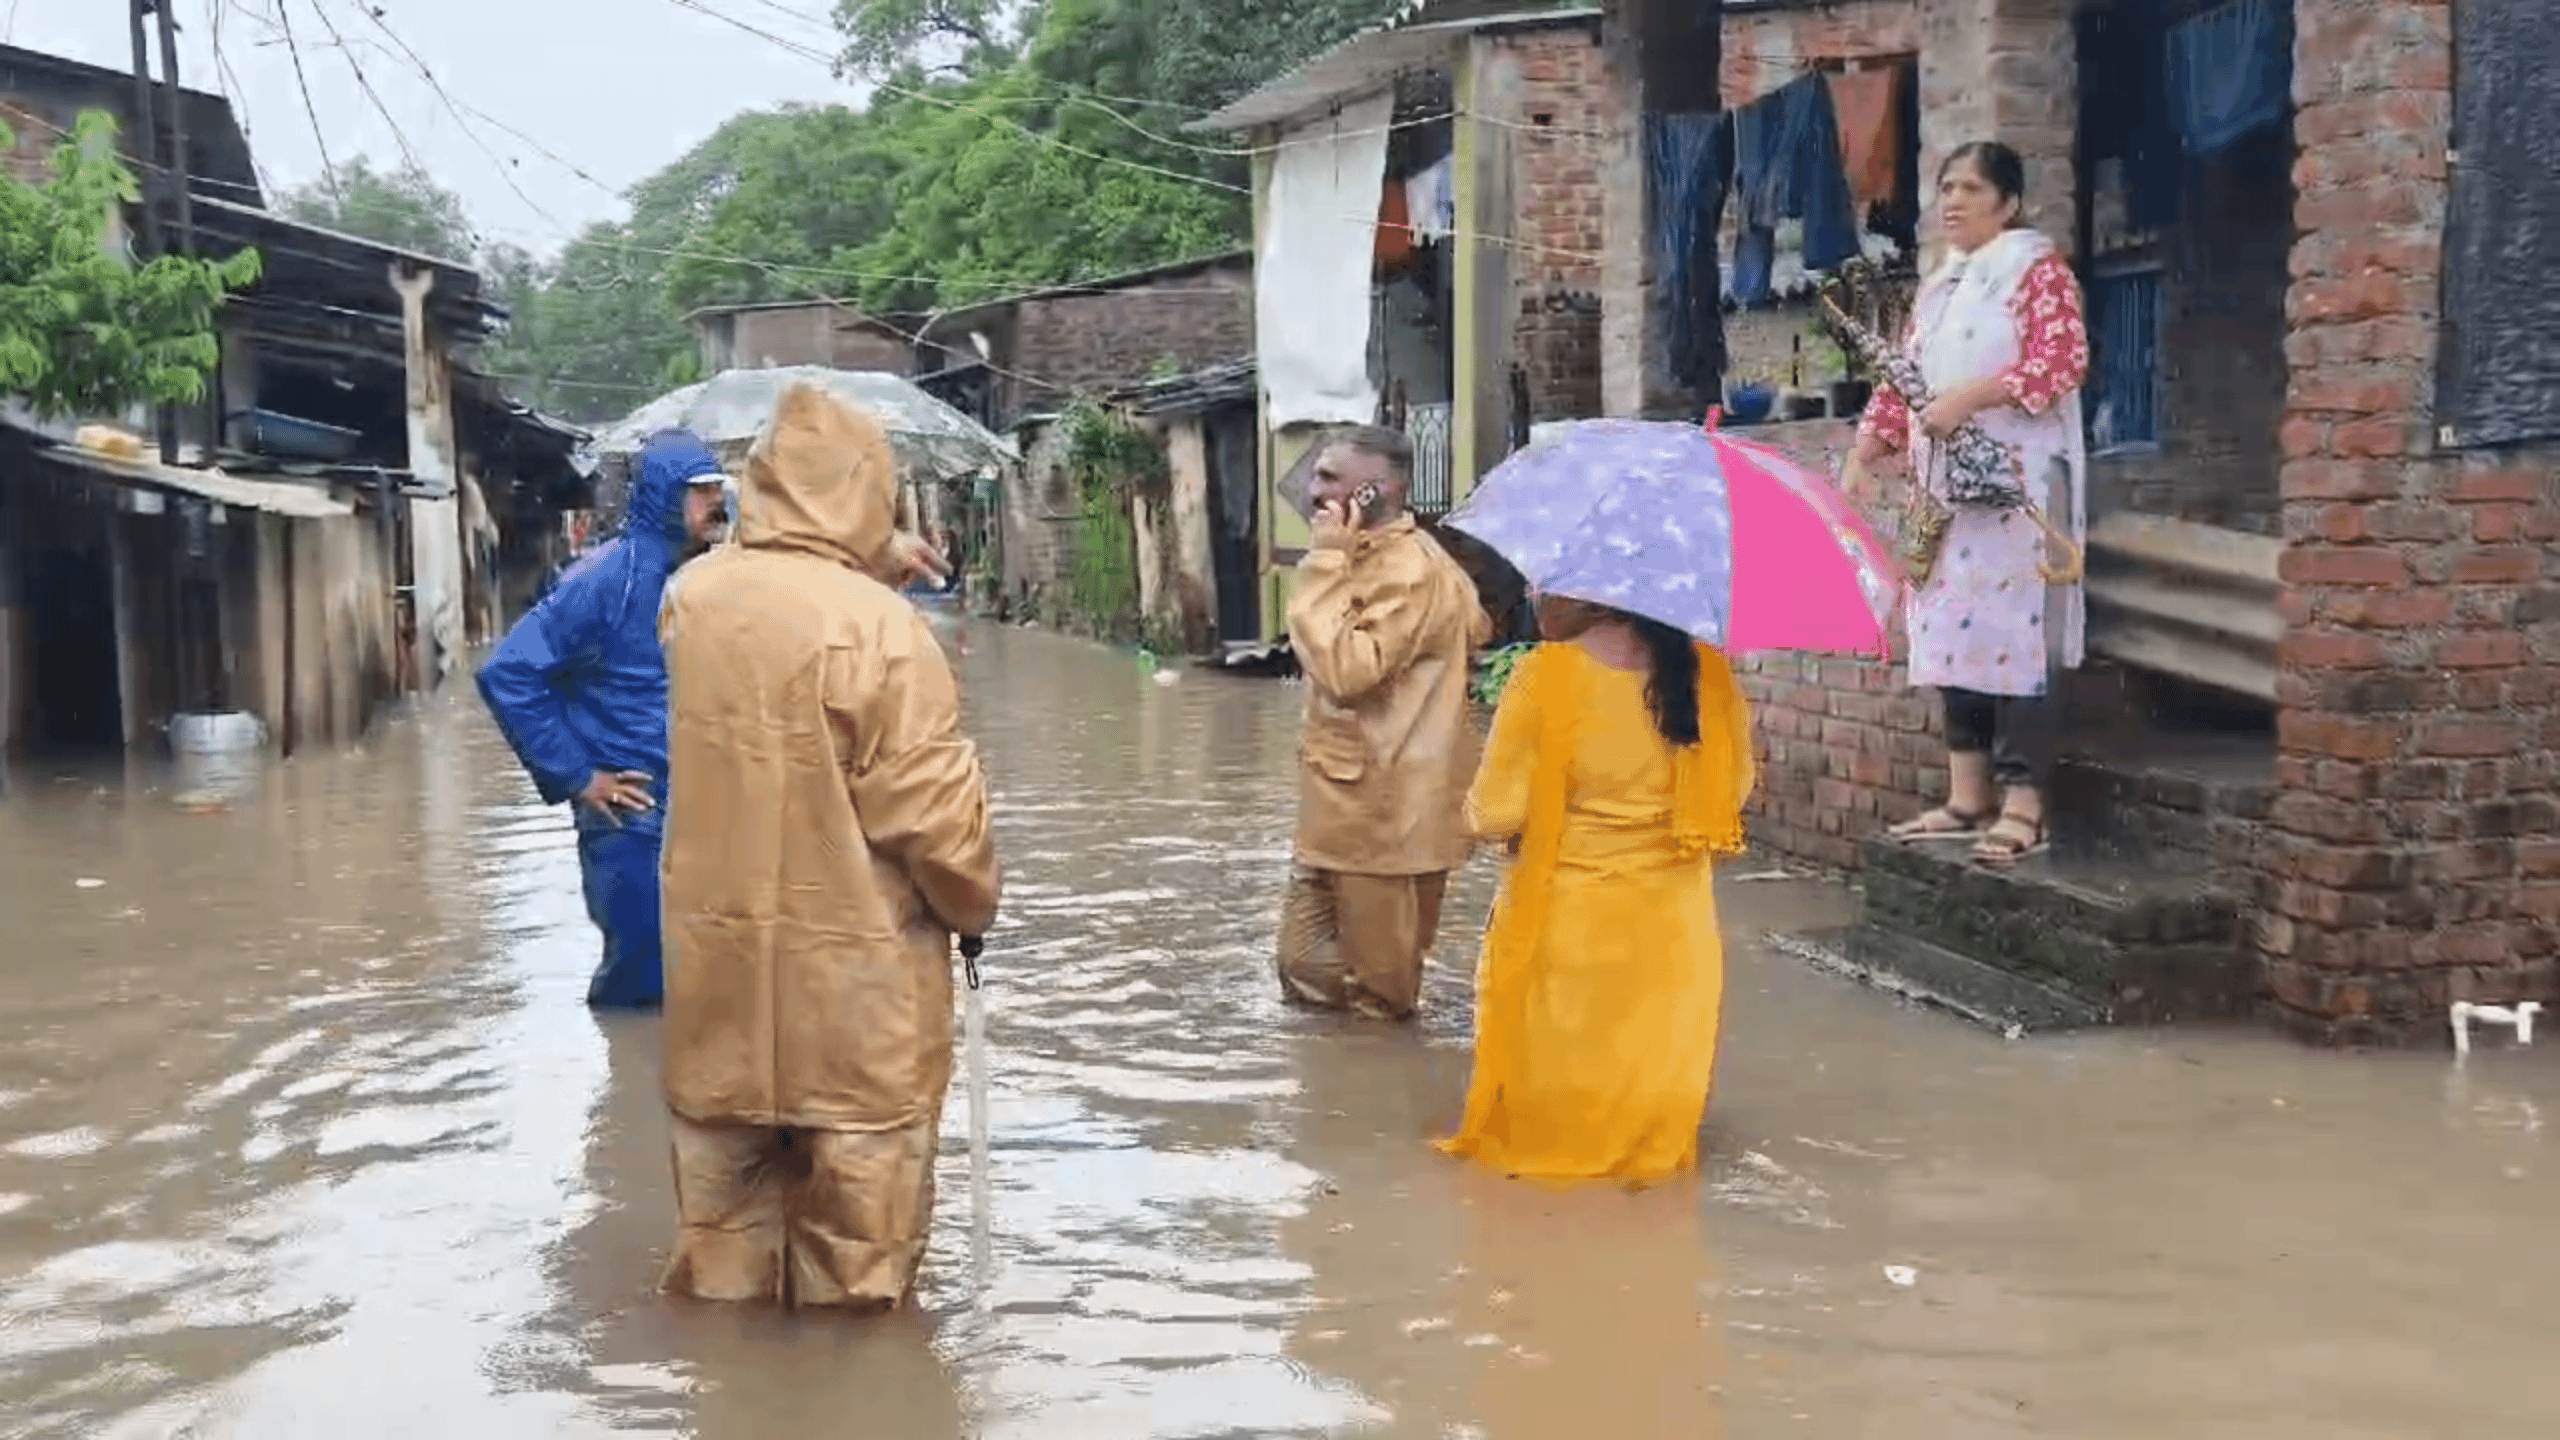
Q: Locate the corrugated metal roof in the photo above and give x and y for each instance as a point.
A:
(275, 497)
(1198, 390)
(1371, 60)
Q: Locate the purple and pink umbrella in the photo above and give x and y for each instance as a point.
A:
(1725, 539)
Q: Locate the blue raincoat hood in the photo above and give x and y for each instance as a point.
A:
(670, 461)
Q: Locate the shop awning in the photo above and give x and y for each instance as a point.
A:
(274, 497)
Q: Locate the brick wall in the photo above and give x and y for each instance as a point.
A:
(2003, 70)
(813, 334)
(1558, 109)
(1189, 319)
(1764, 49)
(1040, 526)
(2414, 853)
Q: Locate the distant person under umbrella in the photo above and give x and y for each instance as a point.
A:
(580, 690)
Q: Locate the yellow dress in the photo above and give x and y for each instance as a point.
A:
(1602, 981)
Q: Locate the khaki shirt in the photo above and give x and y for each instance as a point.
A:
(1385, 627)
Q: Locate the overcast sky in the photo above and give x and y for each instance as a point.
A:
(617, 88)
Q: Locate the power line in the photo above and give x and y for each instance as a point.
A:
(438, 86)
(399, 136)
(328, 171)
(234, 95)
(929, 98)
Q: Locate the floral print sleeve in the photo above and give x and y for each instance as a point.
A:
(2053, 338)
(1888, 419)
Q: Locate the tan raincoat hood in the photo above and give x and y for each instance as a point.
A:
(827, 825)
(1385, 628)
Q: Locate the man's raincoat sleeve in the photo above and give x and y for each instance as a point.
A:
(1355, 627)
(917, 788)
(520, 682)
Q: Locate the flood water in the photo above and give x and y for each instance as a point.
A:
(305, 1131)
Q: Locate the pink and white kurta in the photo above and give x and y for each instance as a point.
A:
(1986, 621)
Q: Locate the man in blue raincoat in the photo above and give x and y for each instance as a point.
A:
(580, 689)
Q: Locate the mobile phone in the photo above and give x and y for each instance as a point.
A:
(1365, 500)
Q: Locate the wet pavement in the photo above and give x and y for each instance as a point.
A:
(304, 1131)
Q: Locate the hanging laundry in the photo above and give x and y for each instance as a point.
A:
(1868, 106)
(1431, 200)
(2230, 72)
(1688, 159)
(1395, 228)
(1787, 166)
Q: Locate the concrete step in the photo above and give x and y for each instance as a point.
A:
(2186, 799)
(1917, 970)
(2136, 941)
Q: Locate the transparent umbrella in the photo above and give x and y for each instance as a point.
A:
(933, 440)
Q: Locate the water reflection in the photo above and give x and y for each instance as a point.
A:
(304, 1130)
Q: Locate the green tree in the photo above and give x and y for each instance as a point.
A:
(884, 36)
(404, 208)
(84, 331)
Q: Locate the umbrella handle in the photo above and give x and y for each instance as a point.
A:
(971, 947)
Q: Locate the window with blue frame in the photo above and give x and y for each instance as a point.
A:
(2122, 395)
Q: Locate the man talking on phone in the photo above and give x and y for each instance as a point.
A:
(1384, 624)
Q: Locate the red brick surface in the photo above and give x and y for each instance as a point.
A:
(2409, 861)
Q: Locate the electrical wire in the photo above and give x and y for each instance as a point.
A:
(505, 171)
(945, 101)
(328, 171)
(233, 95)
(399, 136)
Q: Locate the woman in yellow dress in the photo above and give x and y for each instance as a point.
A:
(1618, 764)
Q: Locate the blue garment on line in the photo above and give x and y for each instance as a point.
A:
(1788, 166)
(580, 685)
(2230, 71)
(1689, 158)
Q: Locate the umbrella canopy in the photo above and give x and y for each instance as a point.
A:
(1727, 540)
(932, 440)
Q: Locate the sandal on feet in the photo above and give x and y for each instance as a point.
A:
(2010, 839)
(1945, 822)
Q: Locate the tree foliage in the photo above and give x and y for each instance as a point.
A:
(84, 330)
(402, 207)
(1005, 146)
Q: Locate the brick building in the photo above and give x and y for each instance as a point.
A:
(1477, 245)
(1028, 354)
(2314, 778)
(1016, 362)
(798, 332)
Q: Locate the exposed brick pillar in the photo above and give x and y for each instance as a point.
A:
(1659, 55)
(2005, 70)
(2412, 859)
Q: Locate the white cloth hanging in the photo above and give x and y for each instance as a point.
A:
(1312, 271)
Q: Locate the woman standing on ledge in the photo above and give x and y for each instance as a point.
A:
(1998, 333)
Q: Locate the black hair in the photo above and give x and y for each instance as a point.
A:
(2001, 167)
(1672, 691)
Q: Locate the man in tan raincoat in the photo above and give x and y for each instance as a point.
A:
(826, 837)
(1384, 624)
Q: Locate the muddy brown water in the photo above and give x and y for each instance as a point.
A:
(304, 1131)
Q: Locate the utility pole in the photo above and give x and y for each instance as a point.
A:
(154, 176)
(147, 137)
(181, 184)
(176, 131)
